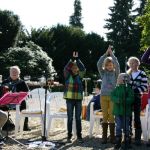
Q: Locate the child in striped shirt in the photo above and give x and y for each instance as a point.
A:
(139, 84)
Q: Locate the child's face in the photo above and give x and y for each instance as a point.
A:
(120, 81)
(109, 66)
(133, 65)
(97, 90)
(74, 69)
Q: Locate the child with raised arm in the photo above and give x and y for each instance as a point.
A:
(109, 69)
(73, 93)
(138, 82)
(122, 97)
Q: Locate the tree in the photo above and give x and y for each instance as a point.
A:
(75, 18)
(31, 59)
(9, 28)
(142, 6)
(123, 31)
(144, 22)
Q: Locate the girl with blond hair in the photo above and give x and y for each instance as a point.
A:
(138, 82)
(109, 70)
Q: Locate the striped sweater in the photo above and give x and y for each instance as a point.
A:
(139, 84)
(73, 83)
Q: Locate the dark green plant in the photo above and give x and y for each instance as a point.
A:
(9, 29)
(75, 18)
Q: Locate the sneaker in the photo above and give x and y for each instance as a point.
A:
(80, 140)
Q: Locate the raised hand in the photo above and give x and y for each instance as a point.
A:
(75, 54)
(109, 50)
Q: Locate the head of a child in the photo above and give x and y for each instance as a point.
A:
(74, 69)
(123, 78)
(108, 64)
(133, 63)
(96, 90)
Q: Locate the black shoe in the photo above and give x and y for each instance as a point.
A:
(26, 128)
(80, 140)
(137, 142)
(117, 146)
(69, 140)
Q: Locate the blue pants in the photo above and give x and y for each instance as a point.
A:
(71, 104)
(120, 125)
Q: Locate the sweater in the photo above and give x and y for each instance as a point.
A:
(109, 78)
(73, 83)
(120, 97)
(139, 84)
(16, 86)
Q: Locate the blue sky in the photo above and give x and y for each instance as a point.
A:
(40, 13)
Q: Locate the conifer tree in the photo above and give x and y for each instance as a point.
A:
(75, 18)
(123, 31)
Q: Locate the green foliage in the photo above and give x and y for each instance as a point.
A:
(60, 42)
(124, 33)
(9, 28)
(31, 59)
(75, 18)
(144, 21)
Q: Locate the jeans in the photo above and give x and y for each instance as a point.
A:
(120, 124)
(71, 104)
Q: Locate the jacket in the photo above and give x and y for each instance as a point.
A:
(120, 97)
(73, 83)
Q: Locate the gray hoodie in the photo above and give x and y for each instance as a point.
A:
(109, 78)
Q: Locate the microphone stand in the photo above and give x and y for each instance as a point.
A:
(125, 127)
(45, 143)
(125, 107)
(44, 138)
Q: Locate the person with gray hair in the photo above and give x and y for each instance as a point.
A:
(122, 97)
(15, 84)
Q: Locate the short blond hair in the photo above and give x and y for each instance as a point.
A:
(16, 68)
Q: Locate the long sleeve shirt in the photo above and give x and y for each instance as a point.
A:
(109, 78)
(73, 83)
(139, 84)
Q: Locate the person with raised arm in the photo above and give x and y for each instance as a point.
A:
(73, 93)
(109, 70)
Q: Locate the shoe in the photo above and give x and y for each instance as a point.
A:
(1, 142)
(26, 128)
(2, 138)
(69, 140)
(80, 140)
